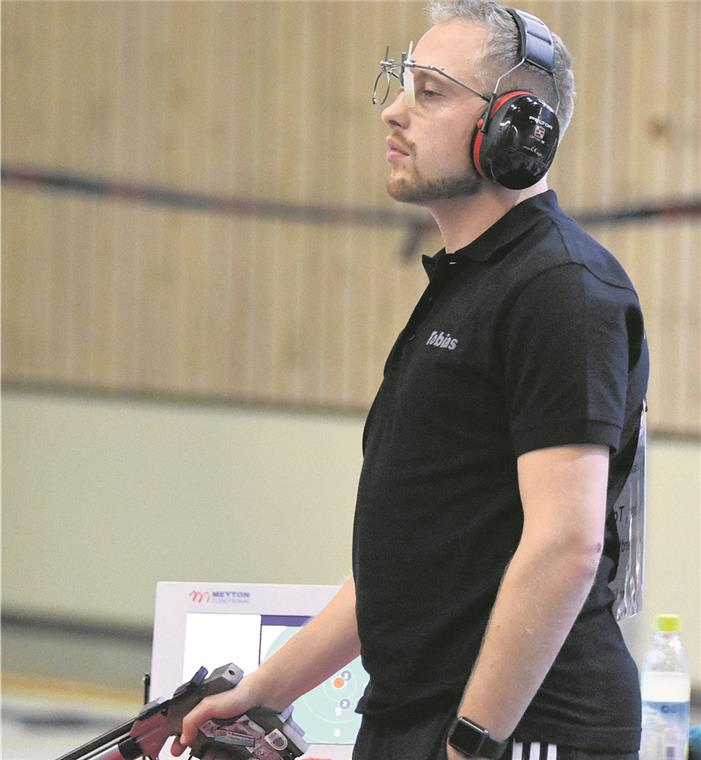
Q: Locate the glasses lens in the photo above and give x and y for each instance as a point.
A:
(408, 84)
(408, 77)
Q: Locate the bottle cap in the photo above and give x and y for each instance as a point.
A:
(667, 623)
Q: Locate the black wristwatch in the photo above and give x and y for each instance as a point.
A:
(471, 740)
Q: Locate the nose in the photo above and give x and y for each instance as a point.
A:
(396, 114)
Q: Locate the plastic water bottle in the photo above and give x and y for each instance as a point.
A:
(666, 687)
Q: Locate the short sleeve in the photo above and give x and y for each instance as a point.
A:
(566, 360)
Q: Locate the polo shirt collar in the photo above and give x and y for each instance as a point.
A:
(514, 223)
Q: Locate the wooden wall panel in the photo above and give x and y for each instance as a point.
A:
(270, 100)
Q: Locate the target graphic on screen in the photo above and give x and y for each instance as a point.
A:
(327, 713)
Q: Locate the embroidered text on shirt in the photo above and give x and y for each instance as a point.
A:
(440, 340)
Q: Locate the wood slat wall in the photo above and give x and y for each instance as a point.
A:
(271, 100)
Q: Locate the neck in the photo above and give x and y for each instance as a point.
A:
(462, 220)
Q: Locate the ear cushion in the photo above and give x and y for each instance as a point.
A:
(519, 144)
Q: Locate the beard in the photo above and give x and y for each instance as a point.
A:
(415, 189)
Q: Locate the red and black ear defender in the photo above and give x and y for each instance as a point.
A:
(515, 140)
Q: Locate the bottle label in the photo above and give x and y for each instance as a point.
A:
(629, 511)
(665, 731)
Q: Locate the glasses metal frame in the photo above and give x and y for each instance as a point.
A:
(405, 76)
(406, 79)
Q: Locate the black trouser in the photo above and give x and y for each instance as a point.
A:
(424, 739)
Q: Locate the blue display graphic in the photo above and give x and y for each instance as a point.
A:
(327, 713)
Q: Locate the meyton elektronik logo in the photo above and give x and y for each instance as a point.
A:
(219, 597)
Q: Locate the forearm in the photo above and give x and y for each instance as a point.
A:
(318, 650)
(540, 596)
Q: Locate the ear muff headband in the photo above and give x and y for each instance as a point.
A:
(536, 43)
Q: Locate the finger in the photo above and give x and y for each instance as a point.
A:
(210, 707)
(193, 720)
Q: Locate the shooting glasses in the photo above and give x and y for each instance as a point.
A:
(403, 72)
(536, 47)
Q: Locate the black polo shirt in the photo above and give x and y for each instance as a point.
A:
(529, 337)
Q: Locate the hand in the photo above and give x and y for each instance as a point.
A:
(228, 704)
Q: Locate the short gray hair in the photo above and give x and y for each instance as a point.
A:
(502, 52)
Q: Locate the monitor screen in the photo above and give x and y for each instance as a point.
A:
(212, 624)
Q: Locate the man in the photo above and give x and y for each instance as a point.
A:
(504, 429)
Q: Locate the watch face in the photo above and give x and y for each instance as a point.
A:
(467, 737)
